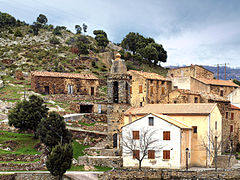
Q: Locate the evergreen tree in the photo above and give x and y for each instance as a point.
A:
(26, 115)
(60, 160)
(52, 131)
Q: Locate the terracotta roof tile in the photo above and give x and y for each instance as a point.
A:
(64, 75)
(192, 108)
(148, 75)
(217, 82)
(234, 107)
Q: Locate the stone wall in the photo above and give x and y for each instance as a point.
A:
(59, 85)
(193, 71)
(109, 161)
(169, 174)
(37, 176)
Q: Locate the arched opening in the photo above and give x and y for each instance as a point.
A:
(115, 92)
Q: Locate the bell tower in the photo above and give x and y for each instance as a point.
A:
(118, 84)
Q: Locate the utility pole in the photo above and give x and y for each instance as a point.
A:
(217, 71)
(225, 71)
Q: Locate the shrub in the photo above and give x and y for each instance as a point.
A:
(54, 40)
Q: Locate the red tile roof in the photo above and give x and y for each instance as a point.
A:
(192, 108)
(148, 75)
(234, 107)
(217, 82)
(64, 75)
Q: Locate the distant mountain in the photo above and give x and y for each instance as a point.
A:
(231, 73)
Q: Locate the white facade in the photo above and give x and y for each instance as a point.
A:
(181, 83)
(173, 145)
(234, 97)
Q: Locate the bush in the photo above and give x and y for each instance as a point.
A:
(54, 40)
(18, 33)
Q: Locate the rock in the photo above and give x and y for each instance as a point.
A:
(88, 168)
(1, 83)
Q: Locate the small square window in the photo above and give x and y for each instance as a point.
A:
(150, 121)
(194, 129)
(231, 128)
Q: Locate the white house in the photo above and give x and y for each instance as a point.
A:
(170, 139)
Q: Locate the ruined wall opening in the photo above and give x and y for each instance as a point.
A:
(86, 108)
(115, 92)
(46, 89)
(115, 137)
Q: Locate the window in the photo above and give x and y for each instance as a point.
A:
(171, 75)
(151, 154)
(215, 125)
(194, 129)
(162, 82)
(135, 134)
(70, 89)
(136, 154)
(151, 81)
(231, 128)
(226, 115)
(232, 116)
(175, 102)
(140, 89)
(166, 154)
(163, 90)
(130, 89)
(92, 91)
(150, 121)
(196, 100)
(151, 90)
(166, 135)
(221, 93)
(141, 104)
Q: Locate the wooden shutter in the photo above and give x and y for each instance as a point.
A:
(151, 154)
(163, 90)
(140, 89)
(166, 154)
(232, 116)
(166, 135)
(136, 154)
(135, 134)
(130, 89)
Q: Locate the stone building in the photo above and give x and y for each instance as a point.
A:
(148, 88)
(234, 125)
(64, 83)
(118, 84)
(180, 96)
(191, 71)
(218, 87)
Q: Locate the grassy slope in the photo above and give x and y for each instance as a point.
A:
(25, 143)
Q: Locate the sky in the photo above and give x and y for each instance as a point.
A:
(204, 32)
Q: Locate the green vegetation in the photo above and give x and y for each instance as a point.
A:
(78, 149)
(21, 143)
(97, 168)
(19, 162)
(86, 124)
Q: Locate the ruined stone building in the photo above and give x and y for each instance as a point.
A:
(64, 83)
(118, 84)
(234, 124)
(148, 88)
(190, 71)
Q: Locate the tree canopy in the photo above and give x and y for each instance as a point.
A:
(7, 20)
(60, 160)
(26, 115)
(78, 29)
(101, 38)
(52, 131)
(146, 47)
(42, 19)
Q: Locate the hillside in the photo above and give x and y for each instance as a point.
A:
(50, 48)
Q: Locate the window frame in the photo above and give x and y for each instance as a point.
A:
(151, 154)
(136, 135)
(166, 135)
(166, 155)
(151, 119)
